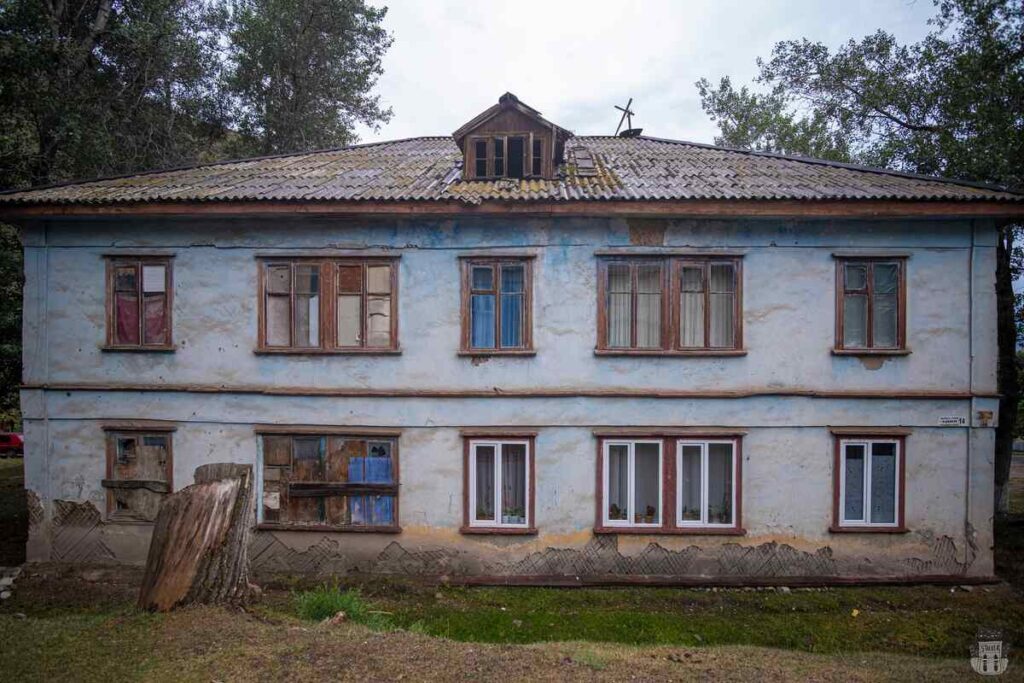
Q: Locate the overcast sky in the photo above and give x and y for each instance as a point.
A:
(573, 61)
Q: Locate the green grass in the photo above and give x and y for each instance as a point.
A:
(928, 621)
(326, 601)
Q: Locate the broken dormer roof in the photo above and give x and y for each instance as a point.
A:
(507, 102)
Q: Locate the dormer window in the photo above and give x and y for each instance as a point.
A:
(510, 140)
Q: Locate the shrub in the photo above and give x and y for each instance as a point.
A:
(326, 601)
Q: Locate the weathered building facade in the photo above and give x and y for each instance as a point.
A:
(520, 355)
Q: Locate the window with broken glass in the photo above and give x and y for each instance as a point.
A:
(869, 480)
(329, 481)
(639, 312)
(499, 480)
(870, 304)
(496, 305)
(138, 474)
(139, 303)
(335, 305)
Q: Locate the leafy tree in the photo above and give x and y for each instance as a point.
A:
(303, 71)
(950, 105)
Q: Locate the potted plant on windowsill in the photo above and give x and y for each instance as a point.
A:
(514, 516)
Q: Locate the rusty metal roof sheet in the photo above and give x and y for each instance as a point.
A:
(596, 168)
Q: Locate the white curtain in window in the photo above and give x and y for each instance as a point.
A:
(618, 482)
(484, 504)
(619, 305)
(886, 288)
(647, 484)
(853, 495)
(722, 285)
(648, 316)
(691, 313)
(690, 505)
(719, 483)
(883, 483)
(513, 483)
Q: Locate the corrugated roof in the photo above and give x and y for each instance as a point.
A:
(596, 168)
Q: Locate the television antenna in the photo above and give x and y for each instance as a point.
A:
(627, 117)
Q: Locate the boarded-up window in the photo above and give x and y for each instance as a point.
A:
(870, 304)
(139, 302)
(496, 304)
(330, 305)
(138, 473)
(329, 480)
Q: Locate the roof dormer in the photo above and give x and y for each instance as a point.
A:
(510, 140)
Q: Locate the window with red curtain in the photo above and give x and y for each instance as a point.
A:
(139, 303)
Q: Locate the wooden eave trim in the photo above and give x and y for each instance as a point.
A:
(512, 255)
(139, 426)
(320, 254)
(656, 432)
(326, 430)
(870, 431)
(497, 433)
(497, 392)
(642, 252)
(130, 254)
(867, 254)
(683, 208)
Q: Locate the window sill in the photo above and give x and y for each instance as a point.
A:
(670, 531)
(870, 352)
(673, 353)
(327, 352)
(497, 531)
(323, 528)
(497, 352)
(110, 348)
(868, 529)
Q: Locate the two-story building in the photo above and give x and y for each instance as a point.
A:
(516, 354)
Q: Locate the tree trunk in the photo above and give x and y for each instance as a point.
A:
(200, 547)
(1008, 380)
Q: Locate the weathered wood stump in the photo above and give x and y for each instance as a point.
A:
(199, 553)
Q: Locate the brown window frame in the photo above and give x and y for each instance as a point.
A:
(328, 295)
(491, 174)
(467, 264)
(869, 436)
(901, 305)
(113, 262)
(669, 440)
(470, 437)
(671, 283)
(111, 435)
(327, 488)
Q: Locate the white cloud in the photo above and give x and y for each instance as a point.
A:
(575, 60)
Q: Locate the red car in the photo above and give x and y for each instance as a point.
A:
(11, 444)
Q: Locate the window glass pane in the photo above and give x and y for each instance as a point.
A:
(512, 305)
(155, 327)
(378, 279)
(483, 278)
(481, 158)
(350, 278)
(516, 156)
(723, 287)
(371, 510)
(378, 465)
(883, 483)
(884, 311)
(484, 504)
(538, 157)
(648, 317)
(154, 279)
(482, 321)
(719, 483)
(619, 305)
(126, 318)
(354, 458)
(855, 321)
(307, 306)
(378, 324)
(691, 302)
(279, 279)
(853, 509)
(647, 484)
(278, 320)
(618, 482)
(856, 276)
(690, 484)
(499, 156)
(513, 483)
(349, 319)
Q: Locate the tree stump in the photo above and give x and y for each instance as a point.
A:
(199, 553)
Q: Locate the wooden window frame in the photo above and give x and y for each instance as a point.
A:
(393, 489)
(496, 262)
(328, 277)
(670, 494)
(901, 306)
(111, 434)
(113, 262)
(469, 526)
(839, 525)
(490, 137)
(671, 276)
